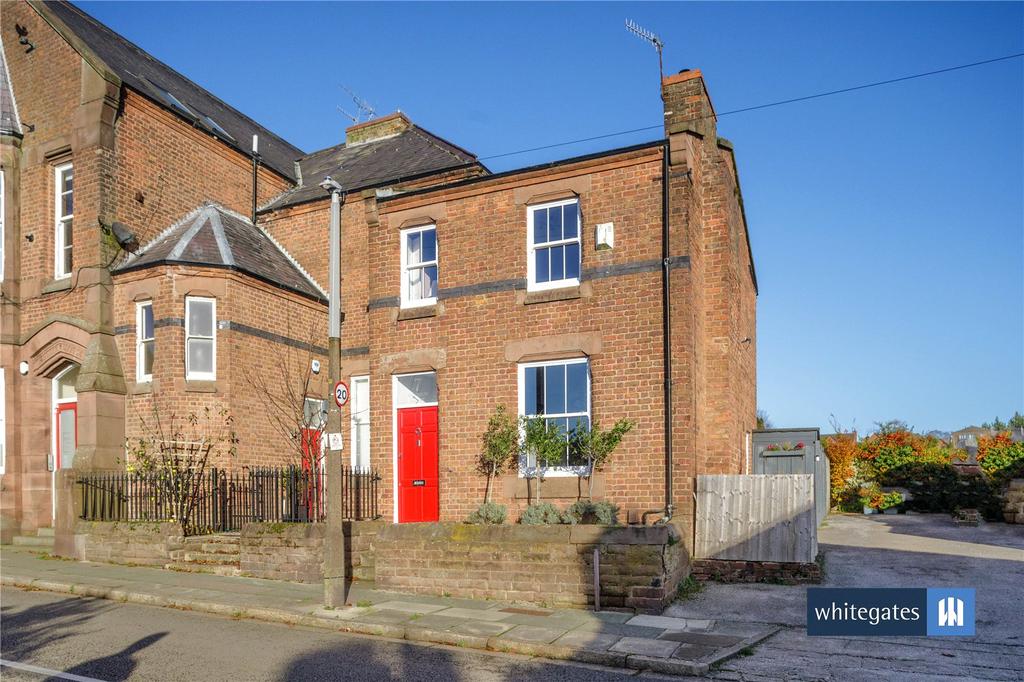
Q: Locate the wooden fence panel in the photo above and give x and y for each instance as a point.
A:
(756, 518)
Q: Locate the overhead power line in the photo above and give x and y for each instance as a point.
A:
(767, 105)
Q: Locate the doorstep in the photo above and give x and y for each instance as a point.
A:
(660, 644)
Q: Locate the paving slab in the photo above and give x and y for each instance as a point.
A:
(658, 648)
(481, 628)
(409, 607)
(694, 652)
(622, 630)
(474, 614)
(592, 641)
(437, 622)
(388, 617)
(611, 616)
(536, 635)
(702, 638)
(663, 622)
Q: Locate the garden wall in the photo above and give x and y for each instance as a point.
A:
(784, 572)
(295, 551)
(141, 543)
(640, 566)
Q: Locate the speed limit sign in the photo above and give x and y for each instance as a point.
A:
(341, 393)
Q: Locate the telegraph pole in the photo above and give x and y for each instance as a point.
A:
(335, 587)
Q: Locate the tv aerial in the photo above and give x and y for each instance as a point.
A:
(364, 110)
(653, 39)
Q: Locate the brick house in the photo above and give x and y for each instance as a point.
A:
(542, 288)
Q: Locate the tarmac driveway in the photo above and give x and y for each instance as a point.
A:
(887, 551)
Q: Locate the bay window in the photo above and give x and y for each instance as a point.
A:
(145, 342)
(200, 338)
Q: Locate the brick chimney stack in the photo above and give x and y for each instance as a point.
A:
(377, 129)
(687, 105)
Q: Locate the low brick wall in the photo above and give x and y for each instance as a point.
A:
(641, 567)
(1013, 506)
(139, 543)
(730, 571)
(295, 551)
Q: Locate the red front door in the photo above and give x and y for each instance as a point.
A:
(417, 464)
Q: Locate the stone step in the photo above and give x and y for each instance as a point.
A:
(221, 548)
(219, 539)
(33, 541)
(207, 558)
(215, 569)
(44, 532)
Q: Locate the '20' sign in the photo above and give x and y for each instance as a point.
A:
(341, 393)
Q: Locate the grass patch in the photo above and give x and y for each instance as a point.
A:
(364, 603)
(689, 588)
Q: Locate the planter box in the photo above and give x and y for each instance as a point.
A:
(869, 510)
(891, 510)
(783, 453)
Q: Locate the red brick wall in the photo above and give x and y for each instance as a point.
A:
(175, 167)
(245, 363)
(482, 238)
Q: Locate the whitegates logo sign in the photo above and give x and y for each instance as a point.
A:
(950, 611)
(885, 612)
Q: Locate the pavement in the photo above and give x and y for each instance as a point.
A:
(57, 636)
(925, 550)
(670, 645)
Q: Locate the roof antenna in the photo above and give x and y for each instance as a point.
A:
(364, 110)
(644, 34)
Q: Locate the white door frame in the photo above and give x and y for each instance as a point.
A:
(54, 435)
(394, 431)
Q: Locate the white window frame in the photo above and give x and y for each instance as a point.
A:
(59, 219)
(140, 375)
(358, 380)
(525, 470)
(189, 374)
(531, 265)
(3, 208)
(406, 299)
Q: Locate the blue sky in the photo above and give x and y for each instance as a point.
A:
(887, 225)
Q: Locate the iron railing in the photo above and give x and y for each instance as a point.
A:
(224, 501)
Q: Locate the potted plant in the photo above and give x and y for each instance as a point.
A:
(785, 446)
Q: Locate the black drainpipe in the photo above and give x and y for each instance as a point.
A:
(666, 320)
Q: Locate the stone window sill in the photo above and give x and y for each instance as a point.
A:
(54, 285)
(200, 386)
(417, 313)
(549, 295)
(144, 387)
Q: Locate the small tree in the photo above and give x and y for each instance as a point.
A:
(597, 446)
(763, 421)
(174, 454)
(545, 442)
(500, 446)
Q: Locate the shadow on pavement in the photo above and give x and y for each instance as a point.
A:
(29, 630)
(119, 666)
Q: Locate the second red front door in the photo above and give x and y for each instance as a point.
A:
(417, 464)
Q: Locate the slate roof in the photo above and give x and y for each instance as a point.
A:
(213, 236)
(412, 152)
(141, 71)
(9, 123)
